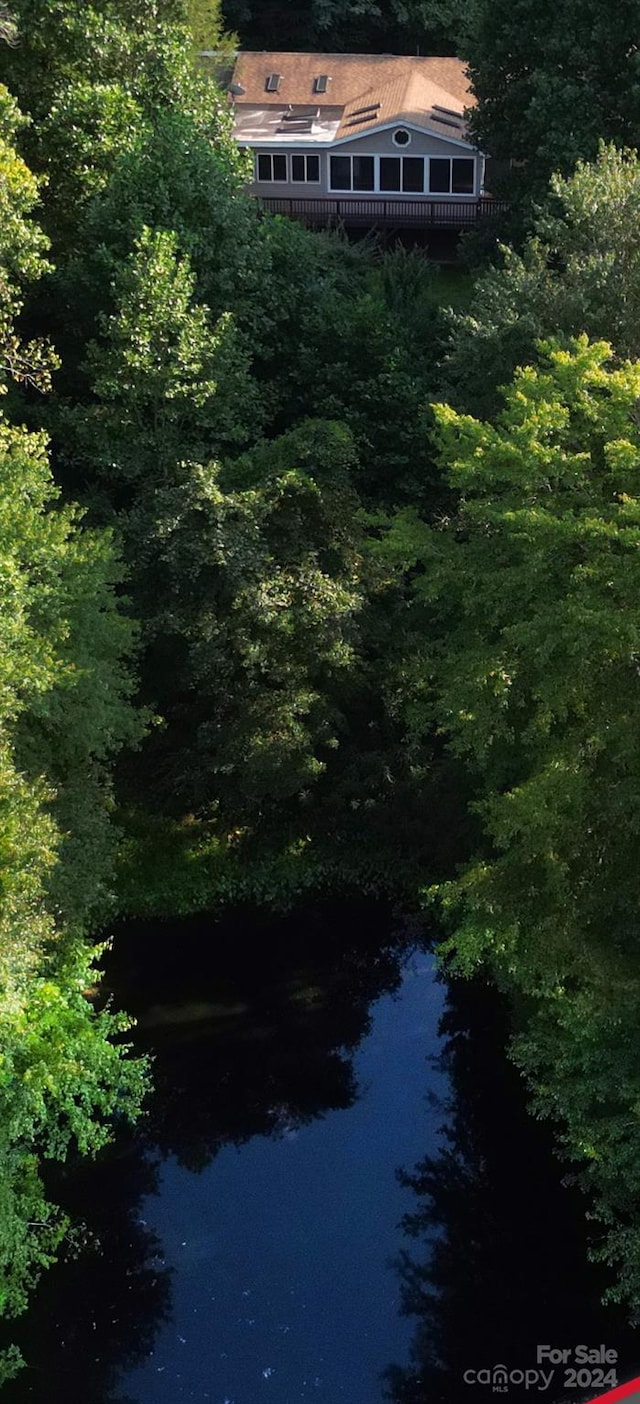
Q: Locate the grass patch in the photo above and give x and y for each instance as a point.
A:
(451, 287)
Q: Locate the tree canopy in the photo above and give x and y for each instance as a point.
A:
(527, 661)
(552, 81)
(65, 710)
(579, 271)
(399, 26)
(198, 643)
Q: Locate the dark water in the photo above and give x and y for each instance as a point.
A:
(254, 1242)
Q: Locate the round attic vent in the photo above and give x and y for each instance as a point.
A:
(402, 137)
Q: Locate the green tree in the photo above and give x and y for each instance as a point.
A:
(206, 26)
(8, 33)
(65, 711)
(66, 687)
(104, 40)
(527, 661)
(253, 593)
(168, 383)
(98, 82)
(579, 271)
(399, 26)
(188, 328)
(129, 136)
(551, 81)
(22, 254)
(63, 1079)
(356, 361)
(245, 577)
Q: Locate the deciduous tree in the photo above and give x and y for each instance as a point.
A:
(551, 81)
(528, 662)
(579, 272)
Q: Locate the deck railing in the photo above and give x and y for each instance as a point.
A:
(431, 214)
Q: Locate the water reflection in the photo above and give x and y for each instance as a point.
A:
(100, 1308)
(253, 1022)
(242, 1243)
(498, 1255)
(253, 1025)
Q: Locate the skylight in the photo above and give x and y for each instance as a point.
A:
(446, 122)
(449, 111)
(298, 114)
(320, 83)
(273, 82)
(297, 124)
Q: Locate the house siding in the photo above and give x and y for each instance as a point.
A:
(382, 144)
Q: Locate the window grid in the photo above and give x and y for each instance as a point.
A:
(305, 168)
(372, 174)
(272, 166)
(407, 175)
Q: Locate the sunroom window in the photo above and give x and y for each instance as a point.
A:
(413, 174)
(352, 173)
(409, 175)
(451, 176)
(402, 173)
(363, 169)
(390, 172)
(462, 176)
(439, 176)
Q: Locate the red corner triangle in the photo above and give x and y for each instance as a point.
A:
(629, 1391)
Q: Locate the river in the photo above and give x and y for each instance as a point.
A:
(337, 1193)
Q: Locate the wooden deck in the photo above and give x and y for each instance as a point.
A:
(381, 212)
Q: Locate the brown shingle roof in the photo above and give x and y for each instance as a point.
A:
(402, 88)
(411, 95)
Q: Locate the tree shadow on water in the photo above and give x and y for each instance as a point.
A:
(100, 1307)
(252, 1024)
(499, 1243)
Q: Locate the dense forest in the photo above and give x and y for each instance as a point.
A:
(317, 564)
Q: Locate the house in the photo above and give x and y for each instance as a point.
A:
(361, 138)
